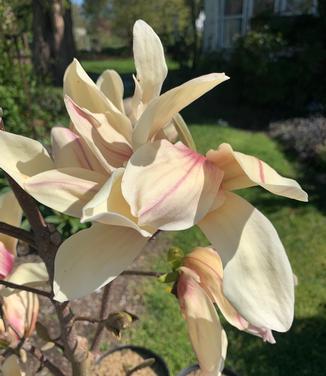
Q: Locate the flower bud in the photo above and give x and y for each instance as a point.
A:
(20, 310)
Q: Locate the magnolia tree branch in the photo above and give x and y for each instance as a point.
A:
(25, 288)
(47, 243)
(44, 361)
(17, 233)
(104, 313)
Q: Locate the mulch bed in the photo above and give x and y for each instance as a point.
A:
(125, 295)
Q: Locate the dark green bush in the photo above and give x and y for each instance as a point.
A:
(279, 64)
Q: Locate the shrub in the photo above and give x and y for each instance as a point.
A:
(305, 136)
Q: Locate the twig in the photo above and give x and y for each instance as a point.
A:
(103, 315)
(142, 273)
(25, 288)
(17, 233)
(88, 319)
(37, 353)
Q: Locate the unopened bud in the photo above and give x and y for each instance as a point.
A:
(117, 321)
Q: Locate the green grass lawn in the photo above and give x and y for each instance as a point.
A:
(121, 65)
(301, 227)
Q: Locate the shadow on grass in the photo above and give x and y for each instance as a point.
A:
(300, 352)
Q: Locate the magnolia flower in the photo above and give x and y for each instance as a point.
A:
(206, 265)
(172, 187)
(83, 176)
(208, 339)
(19, 308)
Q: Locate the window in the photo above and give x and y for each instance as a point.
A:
(263, 6)
(296, 7)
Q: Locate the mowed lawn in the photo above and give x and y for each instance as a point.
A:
(122, 65)
(301, 227)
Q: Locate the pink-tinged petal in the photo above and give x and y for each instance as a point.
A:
(84, 92)
(10, 367)
(66, 190)
(22, 157)
(94, 257)
(149, 60)
(160, 111)
(70, 150)
(6, 261)
(109, 207)
(207, 264)
(11, 213)
(110, 148)
(111, 85)
(170, 187)
(203, 324)
(20, 310)
(265, 334)
(258, 280)
(242, 171)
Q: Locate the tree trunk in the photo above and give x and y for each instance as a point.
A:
(53, 42)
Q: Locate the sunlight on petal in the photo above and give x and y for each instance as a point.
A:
(94, 257)
(170, 187)
(250, 249)
(242, 171)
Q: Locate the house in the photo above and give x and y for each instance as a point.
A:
(227, 19)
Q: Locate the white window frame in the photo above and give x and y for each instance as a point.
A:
(245, 16)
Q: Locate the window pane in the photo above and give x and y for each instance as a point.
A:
(262, 6)
(232, 28)
(233, 7)
(298, 6)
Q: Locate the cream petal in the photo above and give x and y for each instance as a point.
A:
(69, 150)
(79, 86)
(84, 92)
(22, 157)
(134, 104)
(242, 171)
(30, 274)
(66, 190)
(109, 146)
(109, 207)
(7, 260)
(183, 132)
(170, 187)
(203, 324)
(10, 367)
(111, 85)
(11, 213)
(149, 60)
(258, 280)
(160, 111)
(92, 258)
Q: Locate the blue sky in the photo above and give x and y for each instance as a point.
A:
(77, 1)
